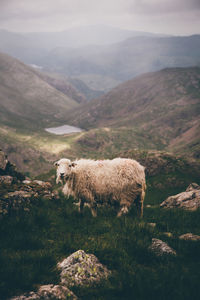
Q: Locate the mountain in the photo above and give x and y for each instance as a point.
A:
(128, 58)
(74, 37)
(100, 56)
(162, 107)
(122, 61)
(27, 99)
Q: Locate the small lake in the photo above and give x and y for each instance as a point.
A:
(64, 129)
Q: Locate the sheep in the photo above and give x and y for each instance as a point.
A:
(118, 182)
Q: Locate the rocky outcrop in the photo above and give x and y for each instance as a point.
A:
(189, 237)
(16, 193)
(20, 195)
(79, 269)
(48, 292)
(190, 199)
(160, 248)
(82, 269)
(8, 168)
(3, 161)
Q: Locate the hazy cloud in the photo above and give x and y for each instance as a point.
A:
(167, 16)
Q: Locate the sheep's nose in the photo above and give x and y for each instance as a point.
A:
(62, 174)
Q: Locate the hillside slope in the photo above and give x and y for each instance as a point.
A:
(164, 104)
(25, 98)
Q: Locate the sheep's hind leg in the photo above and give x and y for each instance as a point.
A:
(139, 204)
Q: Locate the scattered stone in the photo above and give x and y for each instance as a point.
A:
(160, 248)
(6, 180)
(46, 185)
(168, 234)
(189, 237)
(189, 200)
(49, 292)
(26, 181)
(153, 225)
(82, 269)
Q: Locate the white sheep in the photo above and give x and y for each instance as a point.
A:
(118, 182)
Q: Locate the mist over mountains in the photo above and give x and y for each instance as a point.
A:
(102, 56)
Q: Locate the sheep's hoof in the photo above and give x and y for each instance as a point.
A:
(123, 210)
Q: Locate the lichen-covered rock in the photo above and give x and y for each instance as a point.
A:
(82, 269)
(189, 200)
(160, 248)
(189, 237)
(49, 292)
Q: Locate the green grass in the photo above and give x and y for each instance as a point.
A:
(33, 242)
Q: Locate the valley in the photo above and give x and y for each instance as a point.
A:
(99, 93)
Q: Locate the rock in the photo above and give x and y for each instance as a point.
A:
(160, 248)
(168, 234)
(49, 292)
(190, 199)
(189, 237)
(19, 195)
(153, 225)
(6, 180)
(82, 269)
(27, 192)
(28, 296)
(27, 181)
(3, 161)
(46, 185)
(193, 186)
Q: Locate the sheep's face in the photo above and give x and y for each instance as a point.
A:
(64, 166)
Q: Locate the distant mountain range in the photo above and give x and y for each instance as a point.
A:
(162, 106)
(101, 56)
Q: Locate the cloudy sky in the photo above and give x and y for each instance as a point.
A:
(180, 17)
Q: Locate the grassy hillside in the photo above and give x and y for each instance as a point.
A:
(162, 106)
(33, 242)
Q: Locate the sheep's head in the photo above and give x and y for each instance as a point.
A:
(64, 167)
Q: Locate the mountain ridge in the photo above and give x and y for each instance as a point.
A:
(163, 103)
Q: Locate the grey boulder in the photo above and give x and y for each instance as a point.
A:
(82, 269)
(189, 200)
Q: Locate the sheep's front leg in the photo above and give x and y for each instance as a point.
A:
(93, 208)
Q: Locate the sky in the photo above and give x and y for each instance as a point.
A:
(177, 17)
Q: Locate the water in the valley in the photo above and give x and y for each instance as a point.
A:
(64, 129)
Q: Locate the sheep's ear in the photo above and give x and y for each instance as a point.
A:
(73, 164)
(56, 164)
